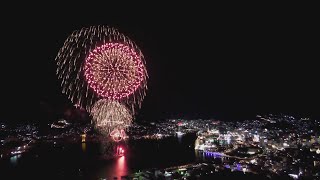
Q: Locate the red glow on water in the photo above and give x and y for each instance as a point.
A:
(118, 169)
(121, 168)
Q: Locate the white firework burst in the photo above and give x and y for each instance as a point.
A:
(109, 115)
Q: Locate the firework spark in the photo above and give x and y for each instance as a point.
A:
(114, 71)
(118, 135)
(100, 62)
(110, 115)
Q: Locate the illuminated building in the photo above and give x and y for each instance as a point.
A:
(256, 138)
(60, 124)
(83, 137)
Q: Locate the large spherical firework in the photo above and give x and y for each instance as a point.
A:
(100, 62)
(110, 115)
(114, 71)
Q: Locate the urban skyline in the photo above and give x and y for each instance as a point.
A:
(159, 94)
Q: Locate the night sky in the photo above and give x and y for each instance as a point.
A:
(201, 65)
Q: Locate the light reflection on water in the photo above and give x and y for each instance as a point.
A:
(121, 166)
(14, 159)
(88, 160)
(118, 168)
(84, 147)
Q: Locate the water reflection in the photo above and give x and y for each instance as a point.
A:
(92, 160)
(84, 147)
(117, 168)
(14, 159)
(121, 167)
(179, 138)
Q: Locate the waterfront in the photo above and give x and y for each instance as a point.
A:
(85, 160)
(72, 151)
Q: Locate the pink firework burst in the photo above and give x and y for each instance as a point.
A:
(114, 71)
(99, 62)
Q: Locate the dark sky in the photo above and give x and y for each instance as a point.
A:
(201, 65)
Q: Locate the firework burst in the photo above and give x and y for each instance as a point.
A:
(110, 115)
(99, 62)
